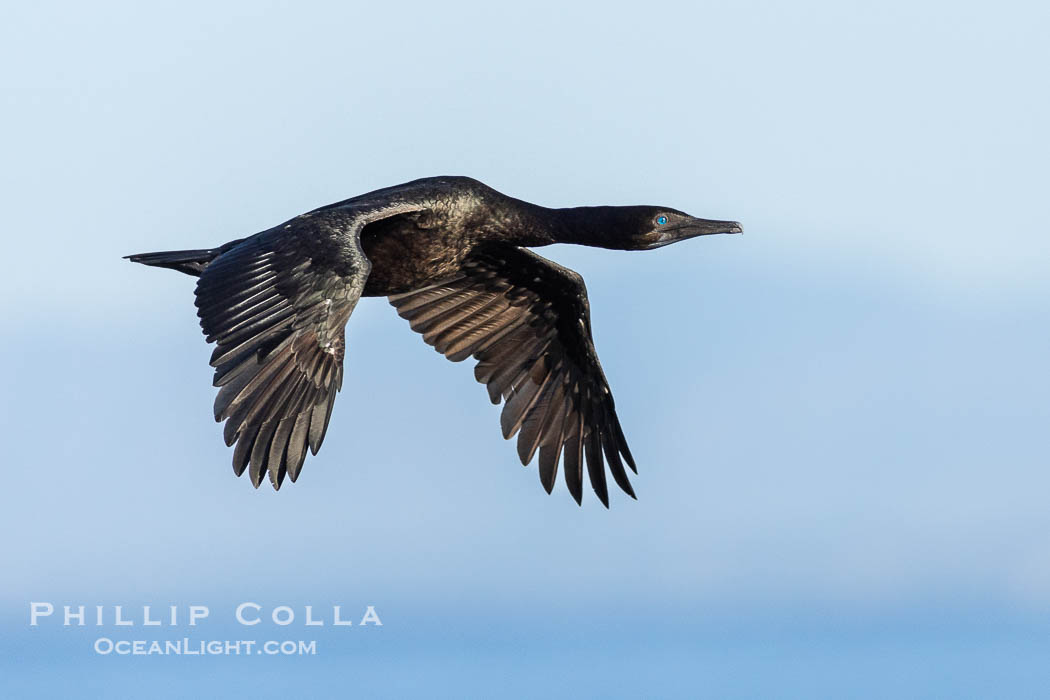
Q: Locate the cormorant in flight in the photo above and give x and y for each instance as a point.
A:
(451, 255)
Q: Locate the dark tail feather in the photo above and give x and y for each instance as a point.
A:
(192, 262)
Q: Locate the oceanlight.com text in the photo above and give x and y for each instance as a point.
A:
(214, 647)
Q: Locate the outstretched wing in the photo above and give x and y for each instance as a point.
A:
(276, 305)
(527, 322)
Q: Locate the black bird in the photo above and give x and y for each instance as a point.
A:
(450, 253)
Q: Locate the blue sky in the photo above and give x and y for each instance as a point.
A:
(839, 417)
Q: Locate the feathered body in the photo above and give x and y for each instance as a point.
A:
(451, 254)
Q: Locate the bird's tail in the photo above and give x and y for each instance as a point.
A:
(192, 262)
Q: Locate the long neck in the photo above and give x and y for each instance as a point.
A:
(532, 225)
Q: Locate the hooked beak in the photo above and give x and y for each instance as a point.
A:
(693, 227)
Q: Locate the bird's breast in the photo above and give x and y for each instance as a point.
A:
(409, 253)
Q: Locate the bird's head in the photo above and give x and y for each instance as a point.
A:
(654, 227)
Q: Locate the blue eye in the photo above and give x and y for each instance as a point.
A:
(661, 220)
